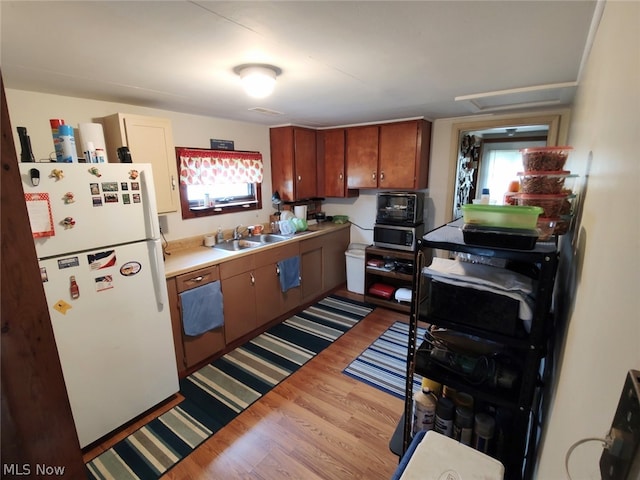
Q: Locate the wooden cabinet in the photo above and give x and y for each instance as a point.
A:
(190, 351)
(150, 140)
(332, 164)
(323, 264)
(293, 162)
(271, 301)
(390, 155)
(362, 156)
(404, 154)
(239, 297)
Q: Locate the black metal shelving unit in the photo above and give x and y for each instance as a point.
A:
(521, 403)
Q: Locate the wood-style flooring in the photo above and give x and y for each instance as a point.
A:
(316, 424)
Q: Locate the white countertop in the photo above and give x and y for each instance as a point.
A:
(186, 260)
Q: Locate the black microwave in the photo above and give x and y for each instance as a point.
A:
(400, 208)
(397, 237)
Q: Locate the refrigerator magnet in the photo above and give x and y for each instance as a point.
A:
(104, 283)
(40, 215)
(100, 260)
(130, 268)
(57, 174)
(68, 198)
(61, 306)
(133, 174)
(68, 222)
(95, 171)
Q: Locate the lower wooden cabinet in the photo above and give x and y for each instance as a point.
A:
(190, 351)
(252, 294)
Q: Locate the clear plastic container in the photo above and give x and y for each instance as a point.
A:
(506, 216)
(544, 159)
(546, 182)
(551, 204)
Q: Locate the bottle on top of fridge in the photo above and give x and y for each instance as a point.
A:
(424, 406)
(67, 142)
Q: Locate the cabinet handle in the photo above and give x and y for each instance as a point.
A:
(381, 175)
(373, 176)
(340, 176)
(196, 279)
(299, 178)
(253, 279)
(173, 183)
(277, 270)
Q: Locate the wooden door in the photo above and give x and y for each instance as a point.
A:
(239, 299)
(311, 268)
(335, 184)
(305, 181)
(404, 155)
(362, 157)
(267, 288)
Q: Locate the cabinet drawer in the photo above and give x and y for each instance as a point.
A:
(273, 255)
(196, 278)
(236, 266)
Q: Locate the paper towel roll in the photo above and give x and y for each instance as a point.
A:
(209, 240)
(92, 133)
(300, 211)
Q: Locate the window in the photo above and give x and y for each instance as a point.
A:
(214, 182)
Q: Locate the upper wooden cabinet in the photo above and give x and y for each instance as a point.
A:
(390, 155)
(404, 154)
(332, 164)
(362, 156)
(293, 162)
(150, 140)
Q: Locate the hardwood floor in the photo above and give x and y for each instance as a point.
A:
(316, 424)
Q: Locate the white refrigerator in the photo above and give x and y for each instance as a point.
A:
(97, 238)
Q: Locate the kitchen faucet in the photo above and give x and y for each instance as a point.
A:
(237, 235)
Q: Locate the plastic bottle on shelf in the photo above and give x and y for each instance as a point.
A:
(444, 416)
(463, 425)
(220, 237)
(424, 406)
(483, 431)
(485, 197)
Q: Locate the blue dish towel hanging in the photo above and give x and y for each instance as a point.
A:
(289, 273)
(202, 309)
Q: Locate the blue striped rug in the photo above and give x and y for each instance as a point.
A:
(383, 364)
(218, 392)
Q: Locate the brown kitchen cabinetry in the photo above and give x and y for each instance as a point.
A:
(150, 140)
(323, 264)
(294, 163)
(362, 156)
(389, 155)
(404, 154)
(332, 164)
(239, 298)
(190, 351)
(271, 301)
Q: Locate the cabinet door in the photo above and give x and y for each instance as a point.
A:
(362, 157)
(293, 162)
(404, 154)
(335, 184)
(305, 182)
(333, 259)
(150, 140)
(176, 324)
(239, 299)
(311, 268)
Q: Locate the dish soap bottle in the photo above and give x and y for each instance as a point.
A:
(220, 236)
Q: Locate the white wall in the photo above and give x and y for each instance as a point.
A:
(33, 111)
(602, 305)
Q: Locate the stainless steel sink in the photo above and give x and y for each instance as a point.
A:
(267, 238)
(236, 245)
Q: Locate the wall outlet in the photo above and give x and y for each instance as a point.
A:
(621, 461)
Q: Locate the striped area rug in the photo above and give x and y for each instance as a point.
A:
(218, 392)
(383, 364)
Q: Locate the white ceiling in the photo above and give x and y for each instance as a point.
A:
(342, 62)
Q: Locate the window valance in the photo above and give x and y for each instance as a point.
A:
(201, 166)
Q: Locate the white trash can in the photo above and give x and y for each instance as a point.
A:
(355, 267)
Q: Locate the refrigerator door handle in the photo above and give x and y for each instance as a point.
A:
(157, 272)
(151, 221)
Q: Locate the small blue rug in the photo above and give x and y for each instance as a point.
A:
(384, 363)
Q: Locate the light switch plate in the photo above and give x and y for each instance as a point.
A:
(622, 460)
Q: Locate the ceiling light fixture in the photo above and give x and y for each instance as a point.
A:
(258, 80)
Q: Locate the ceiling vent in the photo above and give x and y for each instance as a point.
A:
(266, 111)
(525, 97)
